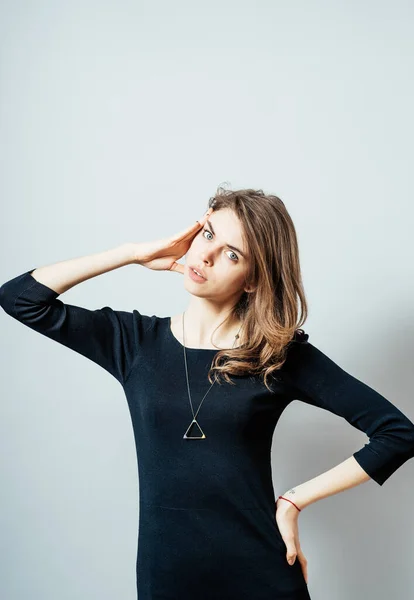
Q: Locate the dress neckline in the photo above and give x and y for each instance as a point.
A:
(189, 348)
(300, 336)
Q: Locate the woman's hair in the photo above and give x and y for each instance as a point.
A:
(276, 307)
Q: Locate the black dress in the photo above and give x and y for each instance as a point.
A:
(207, 526)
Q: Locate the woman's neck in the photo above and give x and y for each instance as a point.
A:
(201, 335)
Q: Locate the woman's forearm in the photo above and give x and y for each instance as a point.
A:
(344, 476)
(61, 276)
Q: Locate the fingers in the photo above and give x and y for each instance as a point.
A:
(205, 216)
(192, 229)
(304, 565)
(291, 556)
(200, 222)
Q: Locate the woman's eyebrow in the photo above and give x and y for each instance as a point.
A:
(229, 245)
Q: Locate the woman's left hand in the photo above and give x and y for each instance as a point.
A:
(287, 521)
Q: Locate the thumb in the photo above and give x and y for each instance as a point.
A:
(291, 553)
(177, 267)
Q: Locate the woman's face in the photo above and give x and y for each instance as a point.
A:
(219, 252)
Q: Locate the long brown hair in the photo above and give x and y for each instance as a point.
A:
(276, 307)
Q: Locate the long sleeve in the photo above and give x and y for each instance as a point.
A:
(317, 380)
(106, 336)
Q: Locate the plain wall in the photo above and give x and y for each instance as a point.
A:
(118, 120)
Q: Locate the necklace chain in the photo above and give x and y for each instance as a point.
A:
(189, 393)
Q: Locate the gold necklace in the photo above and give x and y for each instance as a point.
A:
(194, 422)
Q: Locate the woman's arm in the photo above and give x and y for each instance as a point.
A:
(113, 339)
(316, 379)
(346, 475)
(312, 377)
(342, 477)
(110, 338)
(61, 276)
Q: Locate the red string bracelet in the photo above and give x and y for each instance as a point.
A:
(283, 498)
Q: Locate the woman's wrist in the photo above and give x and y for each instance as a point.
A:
(292, 499)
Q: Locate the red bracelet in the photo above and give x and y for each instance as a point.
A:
(283, 498)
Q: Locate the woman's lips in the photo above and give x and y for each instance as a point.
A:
(195, 277)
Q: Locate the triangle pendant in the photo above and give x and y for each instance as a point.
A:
(198, 430)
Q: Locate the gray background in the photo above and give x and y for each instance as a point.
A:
(118, 120)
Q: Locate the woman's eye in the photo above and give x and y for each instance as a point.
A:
(235, 255)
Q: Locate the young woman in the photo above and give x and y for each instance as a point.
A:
(205, 390)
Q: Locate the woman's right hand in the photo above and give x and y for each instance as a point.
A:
(162, 255)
